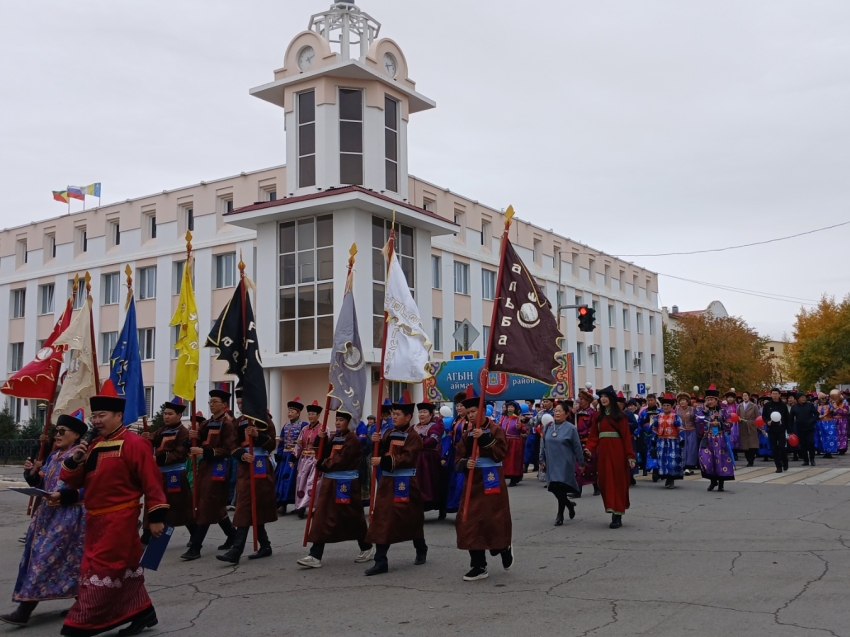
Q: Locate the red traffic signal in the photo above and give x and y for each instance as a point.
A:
(586, 319)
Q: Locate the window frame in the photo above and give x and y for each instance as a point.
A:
(145, 285)
(147, 346)
(111, 287)
(437, 336)
(42, 289)
(305, 159)
(108, 341)
(18, 303)
(391, 165)
(436, 272)
(488, 288)
(343, 180)
(463, 269)
(222, 272)
(16, 357)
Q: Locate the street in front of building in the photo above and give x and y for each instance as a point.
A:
(758, 559)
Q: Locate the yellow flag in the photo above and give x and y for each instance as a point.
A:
(188, 352)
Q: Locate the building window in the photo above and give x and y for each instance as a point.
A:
(431, 206)
(536, 250)
(437, 338)
(306, 284)
(150, 226)
(485, 336)
(436, 272)
(114, 233)
(45, 298)
(627, 360)
(461, 278)
(306, 139)
(82, 240)
(21, 252)
(228, 205)
(651, 325)
(147, 283)
(612, 357)
(189, 214)
(607, 276)
(593, 304)
(488, 285)
(19, 299)
(594, 355)
(80, 296)
(579, 353)
(225, 270)
(146, 343)
(639, 362)
(626, 319)
(108, 341)
(486, 234)
(652, 363)
(175, 335)
(50, 246)
(269, 193)
(351, 136)
(16, 356)
(177, 281)
(404, 253)
(149, 401)
(15, 409)
(639, 321)
(579, 301)
(391, 142)
(612, 321)
(111, 287)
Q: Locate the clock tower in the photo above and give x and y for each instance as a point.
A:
(347, 99)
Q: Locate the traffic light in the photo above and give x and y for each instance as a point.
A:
(586, 319)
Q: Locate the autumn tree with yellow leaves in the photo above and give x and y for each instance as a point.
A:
(820, 352)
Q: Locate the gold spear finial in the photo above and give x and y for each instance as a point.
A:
(76, 281)
(509, 215)
(241, 265)
(129, 272)
(88, 283)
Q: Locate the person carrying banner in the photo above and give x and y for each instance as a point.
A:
(117, 470)
(428, 467)
(287, 464)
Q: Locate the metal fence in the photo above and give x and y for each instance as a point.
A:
(16, 451)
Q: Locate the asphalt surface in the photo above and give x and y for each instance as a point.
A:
(763, 558)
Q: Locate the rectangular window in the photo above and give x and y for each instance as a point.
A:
(50, 246)
(306, 139)
(651, 325)
(536, 250)
(626, 319)
(146, 343)
(594, 354)
(228, 205)
(45, 298)
(436, 272)
(81, 240)
(486, 234)
(225, 270)
(351, 136)
(21, 254)
(175, 334)
(612, 321)
(639, 362)
(627, 360)
(80, 296)
(147, 283)
(177, 281)
(612, 357)
(19, 299)
(639, 321)
(189, 213)
(149, 221)
(437, 337)
(149, 401)
(485, 336)
(431, 206)
(652, 362)
(404, 253)
(16, 356)
(306, 306)
(111, 288)
(595, 306)
(579, 353)
(488, 285)
(114, 233)
(461, 278)
(391, 142)
(108, 340)
(579, 301)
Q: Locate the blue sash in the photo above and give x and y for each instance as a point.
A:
(172, 480)
(400, 473)
(342, 475)
(489, 475)
(219, 470)
(487, 462)
(401, 489)
(261, 461)
(343, 491)
(177, 466)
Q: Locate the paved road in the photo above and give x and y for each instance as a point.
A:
(757, 559)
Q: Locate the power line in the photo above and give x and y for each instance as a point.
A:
(763, 295)
(746, 245)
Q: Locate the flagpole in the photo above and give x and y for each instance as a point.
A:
(193, 403)
(91, 332)
(376, 446)
(485, 372)
(250, 440)
(348, 282)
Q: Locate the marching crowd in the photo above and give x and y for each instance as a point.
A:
(83, 541)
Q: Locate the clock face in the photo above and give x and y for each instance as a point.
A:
(305, 58)
(390, 64)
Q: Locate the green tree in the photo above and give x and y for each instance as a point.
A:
(32, 428)
(820, 352)
(726, 351)
(8, 427)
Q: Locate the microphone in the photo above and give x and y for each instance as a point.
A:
(91, 434)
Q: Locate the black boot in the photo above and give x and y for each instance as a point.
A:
(281, 510)
(302, 513)
(145, 620)
(559, 519)
(265, 545)
(712, 485)
(193, 553)
(595, 489)
(669, 483)
(616, 521)
(233, 555)
(21, 615)
(227, 526)
(720, 485)
(571, 507)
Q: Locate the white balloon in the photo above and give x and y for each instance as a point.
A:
(546, 419)
(588, 385)
(776, 416)
(446, 411)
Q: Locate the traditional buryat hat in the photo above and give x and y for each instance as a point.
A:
(199, 417)
(429, 406)
(712, 391)
(609, 391)
(74, 424)
(296, 404)
(685, 395)
(731, 392)
(667, 399)
(387, 407)
(344, 415)
(314, 408)
(585, 394)
(460, 397)
(176, 405)
(221, 393)
(472, 399)
(406, 404)
(114, 404)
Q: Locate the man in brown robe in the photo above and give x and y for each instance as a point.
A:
(170, 449)
(339, 509)
(255, 441)
(399, 514)
(212, 443)
(488, 518)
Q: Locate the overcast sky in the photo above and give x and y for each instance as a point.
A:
(634, 127)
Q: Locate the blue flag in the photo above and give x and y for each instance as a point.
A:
(125, 368)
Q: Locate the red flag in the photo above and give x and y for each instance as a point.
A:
(37, 379)
(60, 195)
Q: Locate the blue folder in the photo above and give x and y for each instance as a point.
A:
(156, 549)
